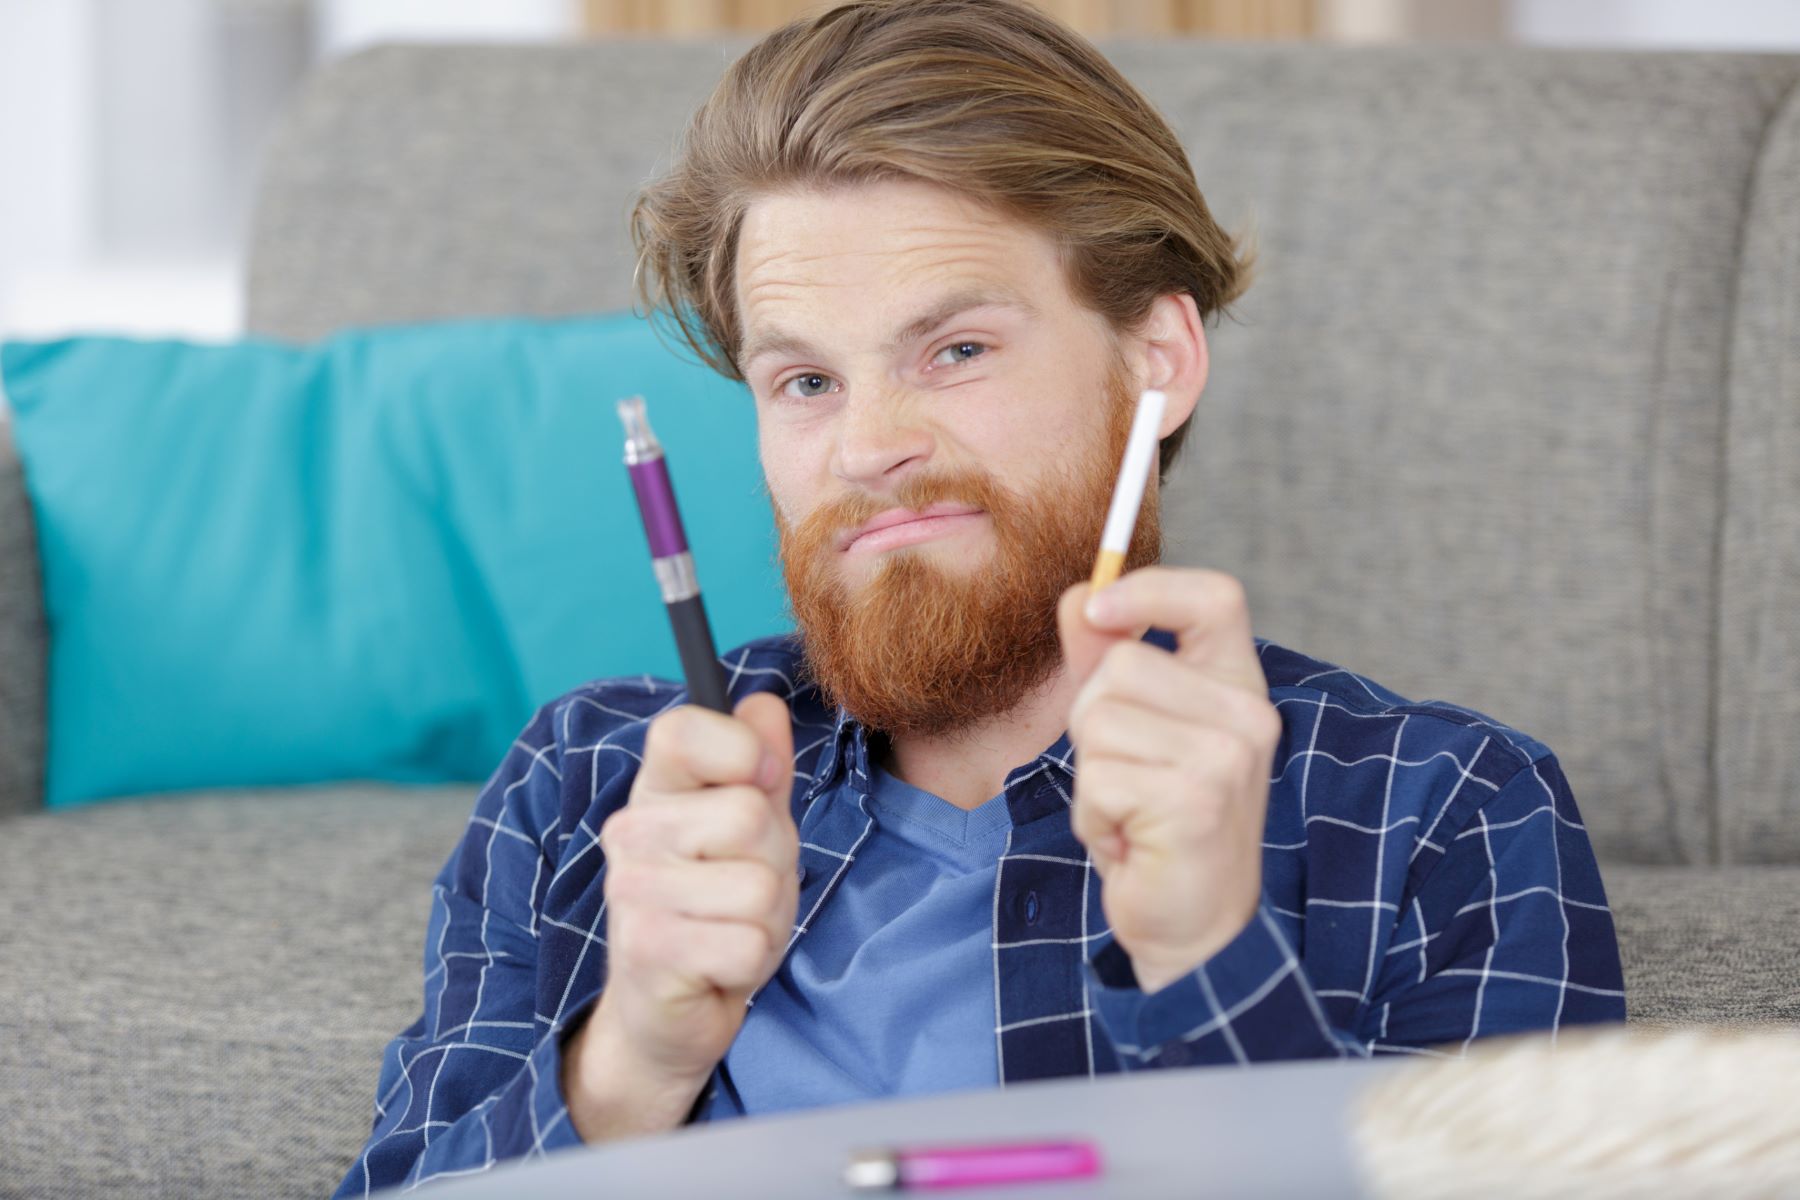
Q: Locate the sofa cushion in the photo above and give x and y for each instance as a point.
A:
(1716, 945)
(1758, 681)
(196, 989)
(371, 558)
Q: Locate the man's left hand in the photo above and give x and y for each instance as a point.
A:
(1172, 778)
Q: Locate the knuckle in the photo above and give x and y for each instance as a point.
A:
(736, 820)
(1084, 700)
(1084, 819)
(1237, 754)
(1233, 596)
(619, 834)
(1268, 724)
(744, 749)
(736, 829)
(763, 890)
(750, 816)
(658, 939)
(740, 747)
(1204, 762)
(625, 883)
(1099, 794)
(1122, 662)
(743, 951)
(663, 739)
(1206, 820)
(1224, 592)
(1087, 722)
(627, 943)
(1260, 720)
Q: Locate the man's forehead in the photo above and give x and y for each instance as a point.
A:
(916, 249)
(826, 246)
(919, 277)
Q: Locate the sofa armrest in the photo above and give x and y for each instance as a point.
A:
(24, 640)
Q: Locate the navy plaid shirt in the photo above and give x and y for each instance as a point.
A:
(1426, 881)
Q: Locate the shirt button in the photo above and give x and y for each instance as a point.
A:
(800, 872)
(1033, 909)
(1177, 1054)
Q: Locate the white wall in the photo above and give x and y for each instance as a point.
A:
(132, 131)
(47, 200)
(117, 212)
(347, 25)
(1669, 24)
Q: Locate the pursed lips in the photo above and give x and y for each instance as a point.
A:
(896, 517)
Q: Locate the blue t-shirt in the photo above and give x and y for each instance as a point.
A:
(891, 992)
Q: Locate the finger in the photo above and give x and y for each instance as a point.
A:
(1120, 804)
(768, 715)
(1083, 643)
(1110, 794)
(1207, 611)
(1162, 803)
(735, 821)
(1112, 726)
(692, 747)
(1149, 678)
(731, 956)
(717, 890)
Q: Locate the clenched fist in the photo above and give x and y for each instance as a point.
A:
(1173, 753)
(701, 896)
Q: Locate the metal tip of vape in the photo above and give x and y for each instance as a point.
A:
(632, 415)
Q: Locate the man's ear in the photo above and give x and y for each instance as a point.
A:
(1173, 345)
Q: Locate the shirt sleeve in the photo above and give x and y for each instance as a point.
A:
(1505, 930)
(476, 1078)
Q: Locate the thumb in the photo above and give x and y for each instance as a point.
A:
(1083, 644)
(767, 714)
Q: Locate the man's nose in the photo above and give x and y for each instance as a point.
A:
(880, 440)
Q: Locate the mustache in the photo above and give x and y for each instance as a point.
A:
(970, 486)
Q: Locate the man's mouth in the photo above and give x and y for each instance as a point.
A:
(905, 527)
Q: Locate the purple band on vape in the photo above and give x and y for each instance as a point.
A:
(656, 503)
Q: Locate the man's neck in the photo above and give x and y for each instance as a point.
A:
(969, 766)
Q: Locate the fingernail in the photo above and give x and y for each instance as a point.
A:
(1099, 607)
(768, 772)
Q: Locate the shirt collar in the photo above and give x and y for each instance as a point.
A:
(846, 755)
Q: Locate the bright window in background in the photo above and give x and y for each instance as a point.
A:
(1660, 24)
(139, 125)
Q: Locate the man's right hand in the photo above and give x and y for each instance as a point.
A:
(701, 896)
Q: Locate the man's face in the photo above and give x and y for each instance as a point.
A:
(919, 363)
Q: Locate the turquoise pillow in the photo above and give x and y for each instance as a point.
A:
(369, 558)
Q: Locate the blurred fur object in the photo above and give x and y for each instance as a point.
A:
(1619, 1112)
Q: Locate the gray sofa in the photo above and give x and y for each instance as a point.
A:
(1512, 418)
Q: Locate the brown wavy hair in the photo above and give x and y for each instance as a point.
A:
(993, 99)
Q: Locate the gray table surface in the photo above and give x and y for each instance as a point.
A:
(1276, 1130)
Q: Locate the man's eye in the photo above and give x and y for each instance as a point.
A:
(808, 385)
(959, 352)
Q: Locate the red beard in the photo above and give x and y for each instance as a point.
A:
(921, 650)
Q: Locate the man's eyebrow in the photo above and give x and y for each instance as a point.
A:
(776, 341)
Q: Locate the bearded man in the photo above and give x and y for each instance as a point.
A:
(969, 825)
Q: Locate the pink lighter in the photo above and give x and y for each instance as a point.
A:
(933, 1167)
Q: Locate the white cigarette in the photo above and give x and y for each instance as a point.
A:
(1128, 492)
